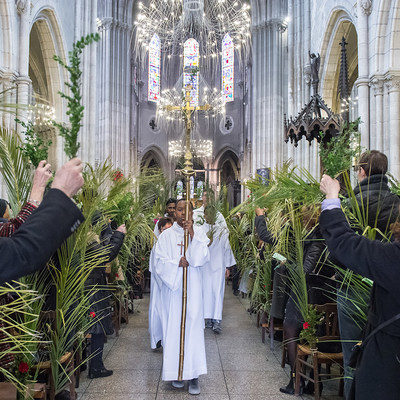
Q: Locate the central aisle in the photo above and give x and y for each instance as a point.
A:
(239, 365)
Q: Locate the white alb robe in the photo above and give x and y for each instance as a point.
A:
(155, 327)
(167, 253)
(221, 257)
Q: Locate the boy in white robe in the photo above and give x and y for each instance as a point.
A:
(215, 272)
(155, 327)
(168, 260)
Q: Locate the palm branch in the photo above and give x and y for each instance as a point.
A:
(15, 169)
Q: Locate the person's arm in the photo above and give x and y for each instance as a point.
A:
(38, 238)
(370, 258)
(262, 231)
(116, 241)
(40, 179)
(9, 227)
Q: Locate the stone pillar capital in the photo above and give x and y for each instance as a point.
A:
(7, 77)
(105, 23)
(366, 7)
(392, 83)
(377, 84)
(277, 24)
(23, 6)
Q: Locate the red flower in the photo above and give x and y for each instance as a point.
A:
(23, 367)
(117, 275)
(118, 175)
(92, 314)
(306, 325)
(264, 286)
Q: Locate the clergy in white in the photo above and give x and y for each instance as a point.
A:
(168, 262)
(214, 272)
(155, 327)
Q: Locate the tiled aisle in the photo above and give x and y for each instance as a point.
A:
(239, 365)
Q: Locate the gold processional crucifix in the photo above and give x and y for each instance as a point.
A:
(187, 111)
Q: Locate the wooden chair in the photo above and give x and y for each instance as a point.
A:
(9, 392)
(67, 360)
(330, 322)
(269, 324)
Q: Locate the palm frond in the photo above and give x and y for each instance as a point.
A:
(15, 169)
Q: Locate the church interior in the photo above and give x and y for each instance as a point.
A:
(257, 115)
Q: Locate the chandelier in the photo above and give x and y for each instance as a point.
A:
(176, 97)
(208, 21)
(41, 115)
(199, 148)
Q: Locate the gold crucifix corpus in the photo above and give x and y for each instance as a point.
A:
(188, 111)
(187, 171)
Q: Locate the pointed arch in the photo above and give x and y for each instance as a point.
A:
(154, 71)
(191, 58)
(5, 36)
(340, 24)
(228, 62)
(46, 75)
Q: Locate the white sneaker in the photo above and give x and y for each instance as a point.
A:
(178, 384)
(194, 386)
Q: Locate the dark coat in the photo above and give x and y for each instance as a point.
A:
(377, 376)
(377, 203)
(262, 231)
(100, 300)
(39, 237)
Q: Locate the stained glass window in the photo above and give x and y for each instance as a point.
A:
(228, 59)
(191, 69)
(154, 68)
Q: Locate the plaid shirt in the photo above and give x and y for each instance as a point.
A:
(7, 229)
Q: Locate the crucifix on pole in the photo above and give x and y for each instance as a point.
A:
(187, 111)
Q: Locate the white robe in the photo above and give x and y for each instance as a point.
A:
(221, 257)
(167, 253)
(155, 327)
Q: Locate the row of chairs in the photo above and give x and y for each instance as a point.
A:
(71, 360)
(308, 359)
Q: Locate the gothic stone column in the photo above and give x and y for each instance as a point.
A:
(267, 117)
(393, 86)
(377, 134)
(364, 8)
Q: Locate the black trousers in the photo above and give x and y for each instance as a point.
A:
(97, 346)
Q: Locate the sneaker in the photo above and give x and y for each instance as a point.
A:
(236, 292)
(209, 323)
(194, 386)
(217, 326)
(178, 384)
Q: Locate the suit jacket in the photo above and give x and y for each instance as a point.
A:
(39, 237)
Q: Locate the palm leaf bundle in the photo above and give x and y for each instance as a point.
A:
(15, 170)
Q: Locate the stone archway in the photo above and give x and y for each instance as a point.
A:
(340, 25)
(46, 75)
(229, 175)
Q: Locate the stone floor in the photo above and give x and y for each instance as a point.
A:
(239, 365)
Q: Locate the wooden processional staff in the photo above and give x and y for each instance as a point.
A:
(187, 171)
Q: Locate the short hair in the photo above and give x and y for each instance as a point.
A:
(191, 205)
(164, 221)
(3, 207)
(170, 200)
(373, 162)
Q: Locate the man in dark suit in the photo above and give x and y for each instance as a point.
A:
(56, 218)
